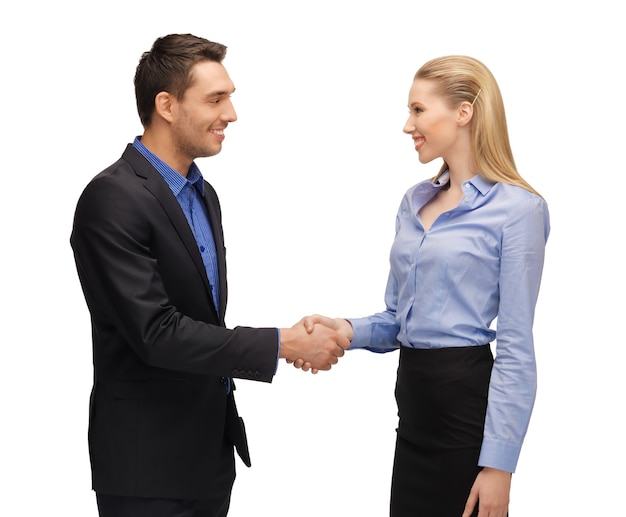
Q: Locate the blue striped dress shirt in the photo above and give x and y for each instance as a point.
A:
(189, 192)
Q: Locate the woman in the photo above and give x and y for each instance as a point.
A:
(469, 249)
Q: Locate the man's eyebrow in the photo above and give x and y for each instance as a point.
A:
(220, 93)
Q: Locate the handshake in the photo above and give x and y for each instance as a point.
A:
(315, 342)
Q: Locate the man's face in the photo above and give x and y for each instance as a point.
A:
(203, 113)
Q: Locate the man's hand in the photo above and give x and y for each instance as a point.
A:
(491, 492)
(310, 323)
(319, 348)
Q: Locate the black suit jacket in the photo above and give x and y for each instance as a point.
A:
(159, 408)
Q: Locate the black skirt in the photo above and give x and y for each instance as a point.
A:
(442, 402)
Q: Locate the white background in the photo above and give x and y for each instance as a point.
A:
(309, 179)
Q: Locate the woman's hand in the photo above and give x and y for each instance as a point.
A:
(338, 324)
(491, 492)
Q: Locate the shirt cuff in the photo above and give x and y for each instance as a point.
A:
(278, 354)
(499, 455)
(375, 337)
(361, 333)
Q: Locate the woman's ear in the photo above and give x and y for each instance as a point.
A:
(465, 114)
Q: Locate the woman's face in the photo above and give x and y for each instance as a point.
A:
(432, 123)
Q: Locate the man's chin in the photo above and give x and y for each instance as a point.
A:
(206, 153)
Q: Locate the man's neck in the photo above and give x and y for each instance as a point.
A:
(166, 151)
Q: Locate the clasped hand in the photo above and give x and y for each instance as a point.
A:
(316, 342)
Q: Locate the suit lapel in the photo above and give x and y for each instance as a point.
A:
(159, 189)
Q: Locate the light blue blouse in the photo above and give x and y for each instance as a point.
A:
(479, 264)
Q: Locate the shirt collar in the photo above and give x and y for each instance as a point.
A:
(442, 180)
(173, 178)
(478, 182)
(481, 184)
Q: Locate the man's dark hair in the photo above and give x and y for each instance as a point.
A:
(166, 68)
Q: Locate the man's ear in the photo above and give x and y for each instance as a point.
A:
(164, 105)
(465, 114)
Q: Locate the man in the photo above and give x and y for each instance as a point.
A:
(149, 250)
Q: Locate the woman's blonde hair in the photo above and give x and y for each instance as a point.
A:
(465, 79)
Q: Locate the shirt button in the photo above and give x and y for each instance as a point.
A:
(466, 199)
(202, 249)
(467, 185)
